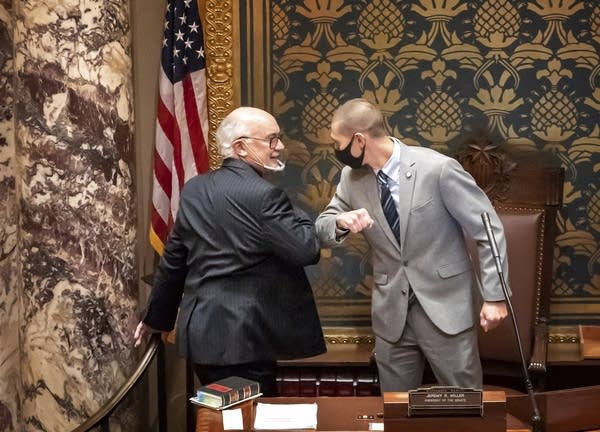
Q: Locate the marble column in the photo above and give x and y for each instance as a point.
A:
(74, 139)
(9, 296)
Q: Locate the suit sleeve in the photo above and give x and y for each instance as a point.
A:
(289, 233)
(169, 280)
(466, 202)
(325, 223)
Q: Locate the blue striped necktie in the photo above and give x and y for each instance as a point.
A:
(388, 205)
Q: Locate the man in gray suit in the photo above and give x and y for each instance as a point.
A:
(414, 206)
(236, 255)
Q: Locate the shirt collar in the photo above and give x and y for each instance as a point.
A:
(392, 166)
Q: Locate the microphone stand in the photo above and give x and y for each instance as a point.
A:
(536, 420)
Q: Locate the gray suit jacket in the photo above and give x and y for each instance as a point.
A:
(439, 201)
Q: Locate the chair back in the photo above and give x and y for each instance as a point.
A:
(526, 191)
(524, 228)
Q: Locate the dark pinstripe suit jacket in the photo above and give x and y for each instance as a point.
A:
(236, 254)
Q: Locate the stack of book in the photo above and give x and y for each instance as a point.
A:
(226, 392)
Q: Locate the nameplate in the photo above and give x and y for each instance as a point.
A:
(445, 401)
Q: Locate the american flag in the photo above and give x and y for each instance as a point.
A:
(181, 124)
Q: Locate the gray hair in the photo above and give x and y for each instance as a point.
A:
(234, 125)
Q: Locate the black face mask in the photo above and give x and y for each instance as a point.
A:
(345, 156)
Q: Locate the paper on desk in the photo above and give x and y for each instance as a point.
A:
(285, 416)
(232, 419)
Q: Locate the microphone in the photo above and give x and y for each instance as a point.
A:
(536, 420)
(276, 169)
(490, 235)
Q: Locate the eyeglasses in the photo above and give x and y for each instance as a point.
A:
(273, 140)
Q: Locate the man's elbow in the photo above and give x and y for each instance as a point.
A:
(312, 256)
(309, 255)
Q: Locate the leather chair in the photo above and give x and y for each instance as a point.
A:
(526, 191)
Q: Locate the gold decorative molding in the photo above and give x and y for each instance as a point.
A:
(564, 344)
(563, 339)
(349, 336)
(349, 340)
(563, 335)
(221, 40)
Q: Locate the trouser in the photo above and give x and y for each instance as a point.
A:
(263, 372)
(454, 359)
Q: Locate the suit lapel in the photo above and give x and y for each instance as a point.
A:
(407, 177)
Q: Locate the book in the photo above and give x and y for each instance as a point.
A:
(195, 401)
(226, 392)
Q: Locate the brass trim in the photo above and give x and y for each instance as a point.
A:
(563, 339)
(349, 335)
(222, 47)
(349, 340)
(259, 54)
(563, 335)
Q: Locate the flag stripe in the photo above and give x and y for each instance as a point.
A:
(174, 205)
(169, 126)
(181, 122)
(159, 226)
(187, 156)
(161, 202)
(199, 83)
(162, 174)
(165, 91)
(194, 126)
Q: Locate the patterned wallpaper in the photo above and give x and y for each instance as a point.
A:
(528, 72)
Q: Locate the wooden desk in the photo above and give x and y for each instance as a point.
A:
(567, 410)
(346, 413)
(348, 370)
(567, 347)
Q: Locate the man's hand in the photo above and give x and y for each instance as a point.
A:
(355, 221)
(492, 314)
(141, 333)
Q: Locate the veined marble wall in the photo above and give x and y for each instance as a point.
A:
(68, 227)
(9, 311)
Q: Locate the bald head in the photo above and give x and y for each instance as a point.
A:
(359, 115)
(242, 121)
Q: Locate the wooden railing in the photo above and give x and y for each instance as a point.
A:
(102, 417)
